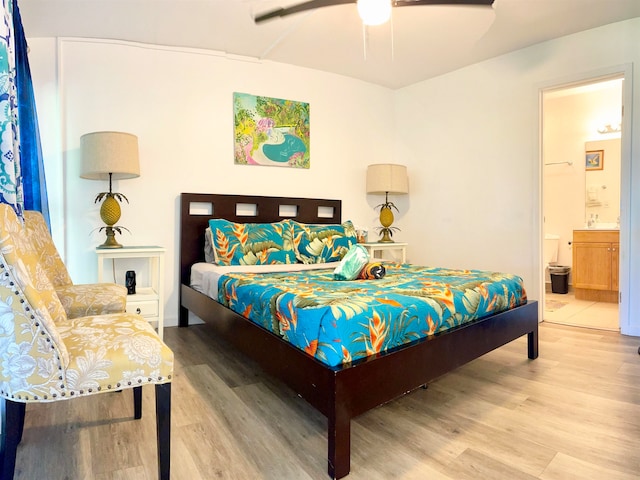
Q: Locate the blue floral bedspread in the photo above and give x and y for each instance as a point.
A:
(341, 321)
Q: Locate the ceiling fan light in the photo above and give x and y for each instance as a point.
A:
(374, 12)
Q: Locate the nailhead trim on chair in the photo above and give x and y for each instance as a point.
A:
(72, 392)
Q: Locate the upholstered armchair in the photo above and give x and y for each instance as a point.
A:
(47, 356)
(77, 300)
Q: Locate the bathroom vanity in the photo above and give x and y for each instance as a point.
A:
(596, 264)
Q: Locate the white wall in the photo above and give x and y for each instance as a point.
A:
(473, 135)
(179, 103)
(43, 64)
(604, 196)
(469, 139)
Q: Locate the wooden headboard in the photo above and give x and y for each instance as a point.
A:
(197, 208)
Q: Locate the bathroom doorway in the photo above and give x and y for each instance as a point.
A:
(576, 119)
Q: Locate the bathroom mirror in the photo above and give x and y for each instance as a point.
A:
(602, 182)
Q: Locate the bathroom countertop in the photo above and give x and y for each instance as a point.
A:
(601, 226)
(598, 229)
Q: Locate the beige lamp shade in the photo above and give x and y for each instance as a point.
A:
(385, 178)
(109, 152)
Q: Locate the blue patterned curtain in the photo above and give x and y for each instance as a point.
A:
(22, 181)
(31, 164)
(10, 178)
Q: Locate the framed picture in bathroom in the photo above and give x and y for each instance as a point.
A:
(594, 160)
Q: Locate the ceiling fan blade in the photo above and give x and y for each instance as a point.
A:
(301, 7)
(313, 4)
(409, 3)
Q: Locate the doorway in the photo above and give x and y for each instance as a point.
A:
(579, 118)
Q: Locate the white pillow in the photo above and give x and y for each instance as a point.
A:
(209, 251)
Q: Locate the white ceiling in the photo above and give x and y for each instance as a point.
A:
(421, 41)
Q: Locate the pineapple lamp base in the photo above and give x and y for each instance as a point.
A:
(110, 242)
(386, 220)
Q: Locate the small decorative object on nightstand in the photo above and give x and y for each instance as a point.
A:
(148, 299)
(130, 282)
(361, 235)
(377, 249)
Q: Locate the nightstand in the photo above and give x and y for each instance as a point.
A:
(376, 249)
(148, 300)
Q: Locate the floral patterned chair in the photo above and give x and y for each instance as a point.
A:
(77, 300)
(46, 356)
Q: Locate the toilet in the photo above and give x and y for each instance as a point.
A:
(550, 249)
(550, 252)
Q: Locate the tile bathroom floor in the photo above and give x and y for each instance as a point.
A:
(565, 309)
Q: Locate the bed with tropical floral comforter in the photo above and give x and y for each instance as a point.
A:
(338, 322)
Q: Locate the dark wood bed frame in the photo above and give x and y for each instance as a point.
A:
(338, 393)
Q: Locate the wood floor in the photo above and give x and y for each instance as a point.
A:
(574, 413)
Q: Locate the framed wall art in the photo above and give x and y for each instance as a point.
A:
(270, 131)
(594, 160)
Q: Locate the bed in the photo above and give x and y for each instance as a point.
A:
(335, 391)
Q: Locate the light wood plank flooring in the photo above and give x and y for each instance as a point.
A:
(574, 413)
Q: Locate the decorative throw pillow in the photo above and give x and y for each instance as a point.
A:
(352, 263)
(252, 243)
(372, 271)
(315, 243)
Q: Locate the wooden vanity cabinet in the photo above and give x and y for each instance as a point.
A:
(596, 259)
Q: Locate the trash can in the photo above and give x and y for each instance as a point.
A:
(559, 278)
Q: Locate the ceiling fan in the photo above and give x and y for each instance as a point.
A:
(380, 9)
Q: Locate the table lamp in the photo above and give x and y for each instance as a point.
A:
(112, 156)
(387, 178)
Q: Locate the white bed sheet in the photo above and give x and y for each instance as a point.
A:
(205, 276)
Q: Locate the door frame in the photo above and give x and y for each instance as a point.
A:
(624, 71)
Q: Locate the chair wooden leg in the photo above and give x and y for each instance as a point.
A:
(137, 402)
(20, 419)
(11, 428)
(163, 425)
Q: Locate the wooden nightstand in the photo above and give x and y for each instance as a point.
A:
(376, 249)
(148, 300)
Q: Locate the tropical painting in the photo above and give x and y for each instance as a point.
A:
(270, 131)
